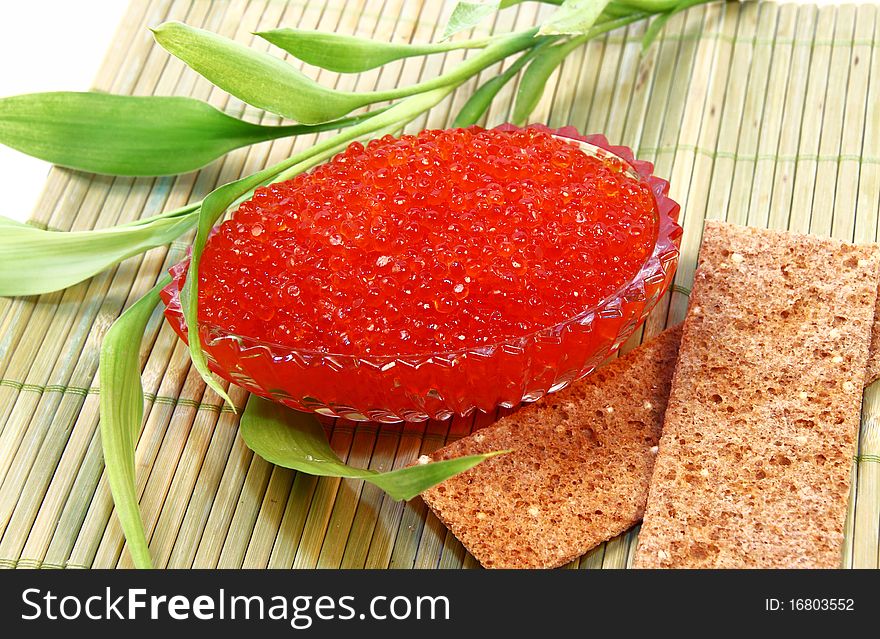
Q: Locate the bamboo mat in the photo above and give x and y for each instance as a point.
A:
(761, 114)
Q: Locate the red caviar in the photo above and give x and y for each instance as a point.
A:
(435, 274)
(431, 242)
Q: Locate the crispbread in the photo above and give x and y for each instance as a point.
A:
(578, 471)
(754, 462)
(873, 373)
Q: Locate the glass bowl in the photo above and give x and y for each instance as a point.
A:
(391, 388)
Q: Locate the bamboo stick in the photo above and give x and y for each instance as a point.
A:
(741, 119)
(501, 108)
(367, 522)
(719, 110)
(98, 518)
(764, 166)
(593, 60)
(193, 526)
(391, 512)
(363, 439)
(16, 429)
(806, 162)
(869, 172)
(415, 512)
(172, 447)
(702, 132)
(830, 111)
(331, 22)
(851, 143)
(663, 130)
(321, 507)
(795, 99)
(866, 518)
(347, 497)
(862, 538)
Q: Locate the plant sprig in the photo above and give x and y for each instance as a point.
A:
(125, 135)
(133, 135)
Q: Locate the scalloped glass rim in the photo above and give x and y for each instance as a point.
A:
(665, 249)
(415, 387)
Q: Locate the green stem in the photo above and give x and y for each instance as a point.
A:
(452, 79)
(496, 52)
(479, 102)
(614, 23)
(603, 27)
(650, 6)
(501, 49)
(447, 82)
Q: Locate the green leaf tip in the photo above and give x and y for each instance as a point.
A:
(468, 14)
(128, 135)
(122, 413)
(55, 260)
(352, 54)
(296, 440)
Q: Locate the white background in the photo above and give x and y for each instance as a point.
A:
(53, 45)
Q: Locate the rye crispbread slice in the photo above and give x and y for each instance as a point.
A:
(578, 471)
(873, 373)
(760, 432)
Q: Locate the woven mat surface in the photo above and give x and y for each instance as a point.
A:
(760, 114)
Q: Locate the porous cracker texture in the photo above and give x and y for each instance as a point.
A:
(754, 463)
(873, 373)
(578, 471)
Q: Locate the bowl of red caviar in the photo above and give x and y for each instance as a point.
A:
(435, 274)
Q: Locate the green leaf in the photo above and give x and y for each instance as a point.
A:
(573, 17)
(468, 14)
(37, 261)
(117, 343)
(531, 86)
(269, 83)
(262, 80)
(213, 207)
(296, 440)
(257, 78)
(482, 98)
(122, 411)
(128, 135)
(350, 54)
